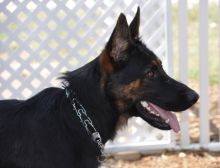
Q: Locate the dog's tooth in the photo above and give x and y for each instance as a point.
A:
(167, 120)
(144, 103)
(148, 108)
(152, 112)
(157, 114)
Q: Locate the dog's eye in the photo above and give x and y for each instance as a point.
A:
(150, 74)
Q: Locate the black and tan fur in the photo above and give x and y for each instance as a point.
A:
(44, 132)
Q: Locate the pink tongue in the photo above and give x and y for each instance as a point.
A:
(173, 122)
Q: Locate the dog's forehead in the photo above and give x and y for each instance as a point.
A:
(147, 56)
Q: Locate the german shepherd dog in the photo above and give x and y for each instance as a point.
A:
(127, 79)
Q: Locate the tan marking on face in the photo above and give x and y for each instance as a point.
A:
(125, 93)
(156, 62)
(128, 91)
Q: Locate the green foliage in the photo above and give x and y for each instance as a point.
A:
(193, 43)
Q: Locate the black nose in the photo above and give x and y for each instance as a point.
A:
(192, 97)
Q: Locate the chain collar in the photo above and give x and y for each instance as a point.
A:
(86, 121)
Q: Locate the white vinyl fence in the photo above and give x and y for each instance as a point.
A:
(204, 115)
(40, 39)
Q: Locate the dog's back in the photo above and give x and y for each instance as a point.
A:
(7, 105)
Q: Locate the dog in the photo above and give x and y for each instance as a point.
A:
(68, 127)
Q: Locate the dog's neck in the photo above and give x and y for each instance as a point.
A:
(86, 83)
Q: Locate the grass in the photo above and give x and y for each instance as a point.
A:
(193, 43)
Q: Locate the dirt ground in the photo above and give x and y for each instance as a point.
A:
(169, 160)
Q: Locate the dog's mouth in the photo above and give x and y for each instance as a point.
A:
(158, 117)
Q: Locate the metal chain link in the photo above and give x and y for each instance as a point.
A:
(87, 123)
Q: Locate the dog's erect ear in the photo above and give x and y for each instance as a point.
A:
(119, 40)
(134, 26)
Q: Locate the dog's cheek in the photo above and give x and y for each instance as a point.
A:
(130, 91)
(124, 96)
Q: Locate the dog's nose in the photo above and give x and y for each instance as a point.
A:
(192, 97)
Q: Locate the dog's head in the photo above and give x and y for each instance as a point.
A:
(134, 79)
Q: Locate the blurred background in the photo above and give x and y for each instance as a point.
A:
(39, 39)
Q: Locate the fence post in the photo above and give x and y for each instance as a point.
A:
(169, 49)
(203, 59)
(169, 43)
(183, 58)
(219, 57)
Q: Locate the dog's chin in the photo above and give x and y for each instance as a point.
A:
(157, 117)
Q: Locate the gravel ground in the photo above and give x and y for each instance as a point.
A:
(169, 160)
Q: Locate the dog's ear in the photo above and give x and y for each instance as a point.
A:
(134, 26)
(119, 40)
